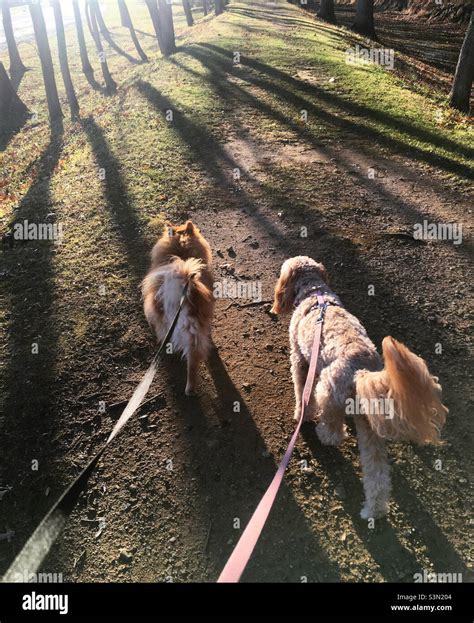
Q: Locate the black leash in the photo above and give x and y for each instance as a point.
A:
(40, 542)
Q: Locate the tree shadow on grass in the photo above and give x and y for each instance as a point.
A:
(218, 77)
(219, 164)
(120, 51)
(285, 86)
(28, 425)
(124, 218)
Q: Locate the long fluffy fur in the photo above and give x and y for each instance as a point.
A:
(349, 367)
(162, 289)
(419, 414)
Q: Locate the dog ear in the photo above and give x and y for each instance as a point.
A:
(189, 227)
(324, 273)
(284, 293)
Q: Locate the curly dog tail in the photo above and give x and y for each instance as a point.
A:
(415, 411)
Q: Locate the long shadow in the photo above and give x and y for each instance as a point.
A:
(112, 43)
(404, 35)
(331, 247)
(441, 552)
(399, 34)
(218, 77)
(234, 471)
(218, 163)
(29, 421)
(382, 542)
(387, 31)
(360, 110)
(124, 217)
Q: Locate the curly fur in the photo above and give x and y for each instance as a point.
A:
(349, 366)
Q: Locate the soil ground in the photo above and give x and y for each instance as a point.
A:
(171, 497)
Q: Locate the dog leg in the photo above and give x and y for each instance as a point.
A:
(375, 470)
(330, 392)
(192, 369)
(299, 370)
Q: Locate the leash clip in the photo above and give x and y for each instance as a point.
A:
(322, 312)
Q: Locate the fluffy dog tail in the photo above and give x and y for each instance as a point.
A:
(162, 290)
(413, 396)
(199, 296)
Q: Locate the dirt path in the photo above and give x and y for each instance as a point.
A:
(179, 486)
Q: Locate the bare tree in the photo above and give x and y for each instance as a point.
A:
(204, 7)
(17, 69)
(44, 51)
(110, 84)
(127, 23)
(364, 19)
(100, 20)
(326, 11)
(219, 6)
(12, 109)
(460, 95)
(86, 66)
(167, 27)
(188, 13)
(155, 18)
(63, 60)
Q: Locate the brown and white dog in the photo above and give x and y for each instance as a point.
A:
(396, 398)
(180, 254)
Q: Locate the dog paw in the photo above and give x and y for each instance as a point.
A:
(370, 511)
(328, 437)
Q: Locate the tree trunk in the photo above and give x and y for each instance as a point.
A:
(63, 60)
(326, 11)
(167, 27)
(219, 6)
(204, 7)
(86, 66)
(364, 19)
(17, 69)
(460, 95)
(110, 84)
(155, 18)
(188, 13)
(100, 20)
(54, 107)
(12, 109)
(127, 23)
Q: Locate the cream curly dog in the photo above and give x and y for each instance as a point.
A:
(400, 400)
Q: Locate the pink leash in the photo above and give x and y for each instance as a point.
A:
(243, 550)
